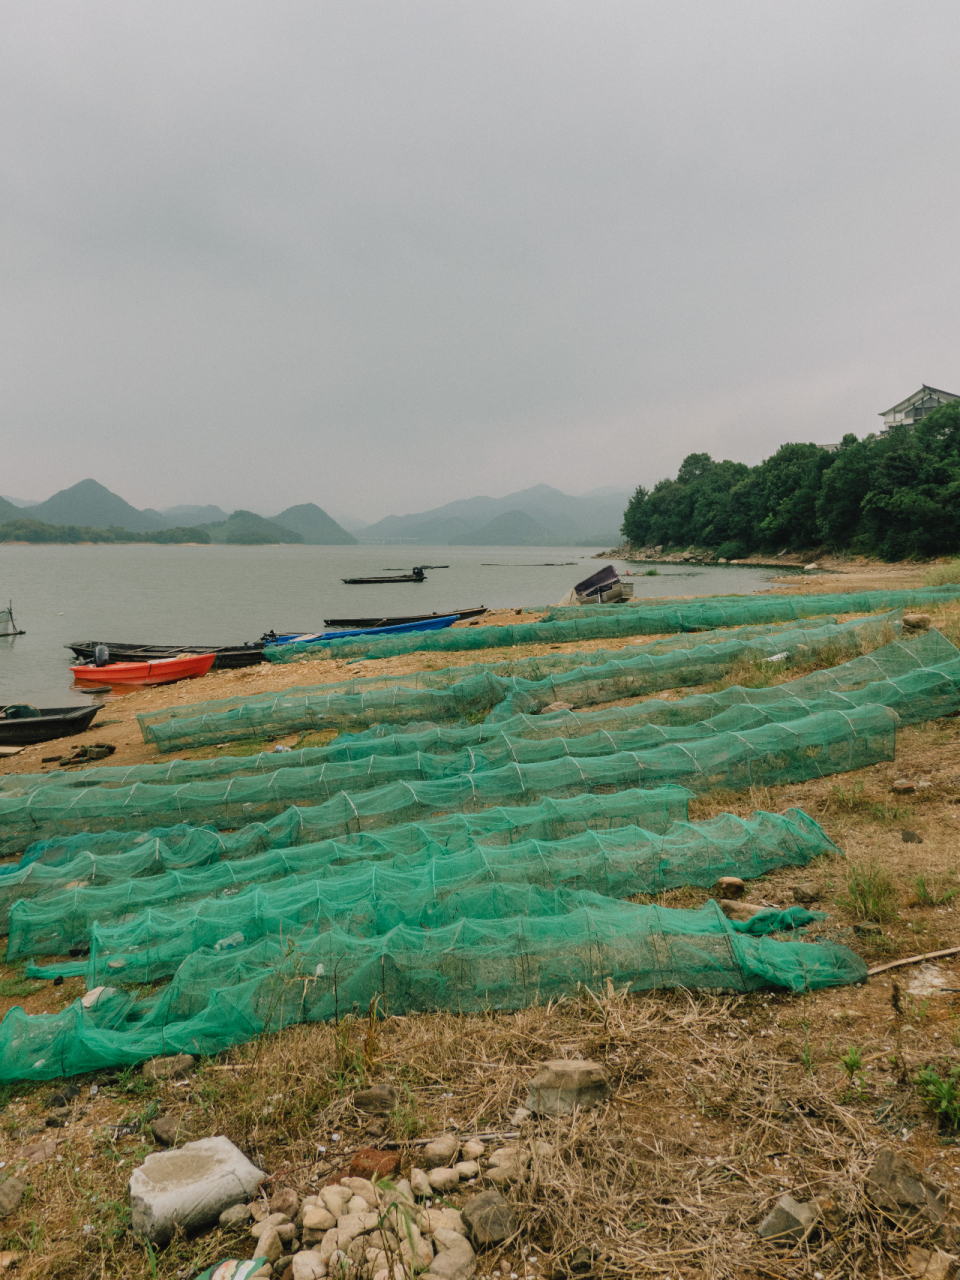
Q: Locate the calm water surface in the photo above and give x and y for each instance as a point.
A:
(221, 595)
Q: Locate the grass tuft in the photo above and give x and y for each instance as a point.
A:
(871, 893)
(934, 892)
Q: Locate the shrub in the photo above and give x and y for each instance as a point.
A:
(941, 574)
(732, 551)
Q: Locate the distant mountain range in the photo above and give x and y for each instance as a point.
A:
(541, 516)
(314, 526)
(90, 504)
(194, 515)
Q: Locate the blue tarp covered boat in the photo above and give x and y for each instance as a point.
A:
(426, 624)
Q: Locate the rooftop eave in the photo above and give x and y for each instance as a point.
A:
(905, 404)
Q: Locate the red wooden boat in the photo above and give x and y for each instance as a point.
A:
(162, 671)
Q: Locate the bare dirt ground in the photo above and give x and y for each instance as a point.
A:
(721, 1103)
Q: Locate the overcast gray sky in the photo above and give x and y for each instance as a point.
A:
(381, 255)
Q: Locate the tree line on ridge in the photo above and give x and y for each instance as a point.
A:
(893, 495)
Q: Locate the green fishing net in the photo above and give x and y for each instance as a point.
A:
(482, 693)
(221, 998)
(588, 624)
(706, 608)
(463, 867)
(382, 790)
(175, 911)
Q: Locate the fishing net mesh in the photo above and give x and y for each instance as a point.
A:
(483, 693)
(331, 883)
(217, 999)
(383, 790)
(607, 622)
(461, 867)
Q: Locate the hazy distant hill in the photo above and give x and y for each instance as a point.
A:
(243, 528)
(512, 529)
(24, 529)
(194, 515)
(19, 502)
(89, 503)
(314, 526)
(593, 519)
(8, 511)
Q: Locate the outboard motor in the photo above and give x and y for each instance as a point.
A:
(101, 655)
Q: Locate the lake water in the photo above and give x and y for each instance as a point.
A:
(221, 595)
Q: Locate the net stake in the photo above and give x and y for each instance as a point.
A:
(927, 955)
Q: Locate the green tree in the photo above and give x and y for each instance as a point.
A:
(634, 527)
(785, 493)
(913, 505)
(843, 487)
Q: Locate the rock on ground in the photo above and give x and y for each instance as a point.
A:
(308, 1265)
(235, 1216)
(286, 1201)
(441, 1151)
(379, 1099)
(807, 893)
(177, 1064)
(442, 1179)
(730, 887)
(189, 1187)
(912, 1198)
(11, 1193)
(563, 1084)
(455, 1261)
(488, 1219)
(790, 1222)
(931, 1264)
(166, 1130)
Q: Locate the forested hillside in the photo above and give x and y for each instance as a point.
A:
(891, 495)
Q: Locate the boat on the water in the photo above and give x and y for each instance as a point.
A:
(404, 628)
(362, 624)
(164, 671)
(22, 724)
(416, 575)
(229, 656)
(7, 625)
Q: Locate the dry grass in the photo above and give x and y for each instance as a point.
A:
(720, 1105)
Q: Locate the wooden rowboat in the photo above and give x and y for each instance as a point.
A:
(227, 656)
(417, 575)
(163, 671)
(360, 624)
(21, 724)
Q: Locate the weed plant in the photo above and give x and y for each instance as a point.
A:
(934, 893)
(941, 1095)
(852, 1063)
(871, 893)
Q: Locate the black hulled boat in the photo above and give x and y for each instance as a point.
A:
(416, 575)
(22, 724)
